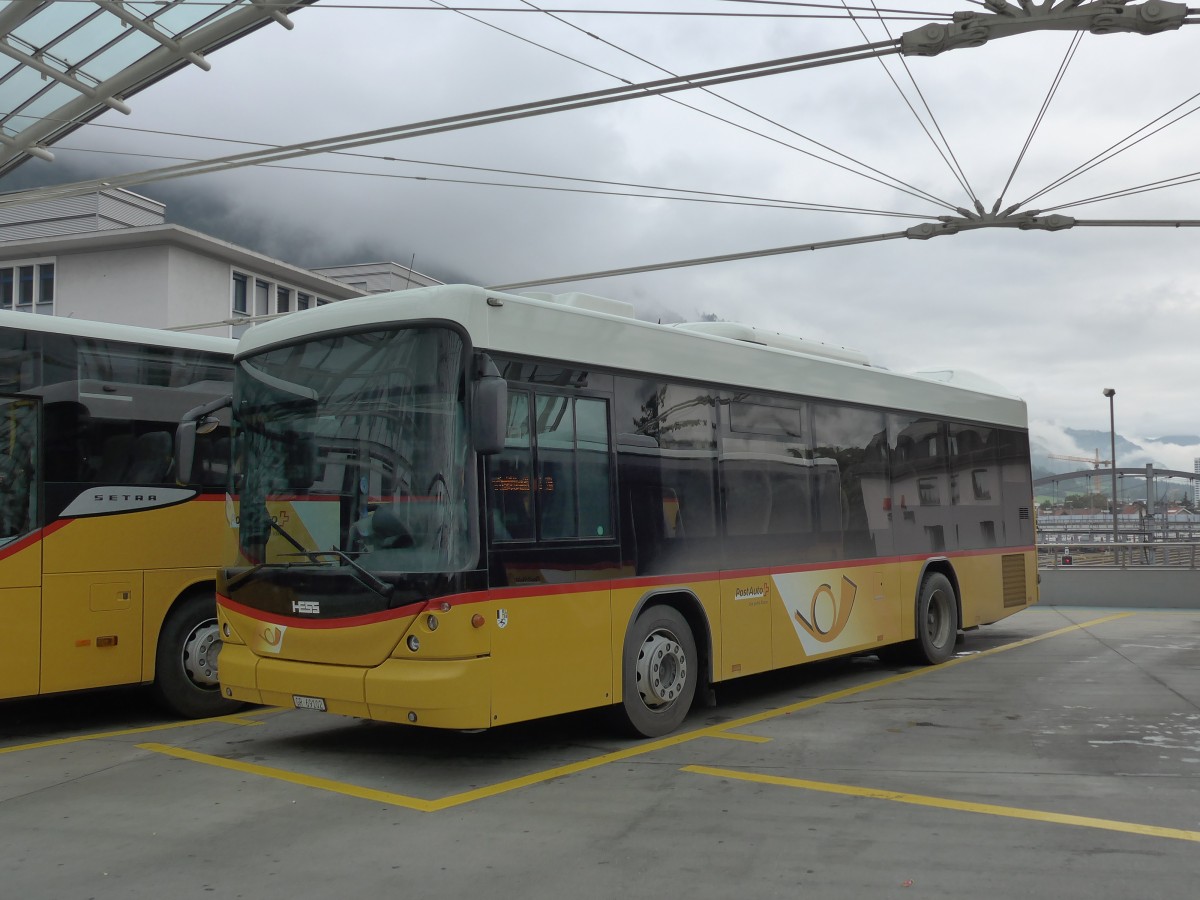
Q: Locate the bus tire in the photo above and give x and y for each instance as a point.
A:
(937, 620)
(185, 668)
(659, 673)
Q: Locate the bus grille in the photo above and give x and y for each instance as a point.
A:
(1012, 570)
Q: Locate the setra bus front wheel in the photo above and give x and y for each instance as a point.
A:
(659, 672)
(185, 668)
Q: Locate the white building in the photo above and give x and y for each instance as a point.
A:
(111, 257)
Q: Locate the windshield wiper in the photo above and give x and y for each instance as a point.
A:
(363, 576)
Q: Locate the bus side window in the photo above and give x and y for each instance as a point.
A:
(595, 479)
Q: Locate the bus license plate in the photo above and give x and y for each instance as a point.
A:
(317, 703)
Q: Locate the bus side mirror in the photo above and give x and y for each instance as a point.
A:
(489, 411)
(199, 420)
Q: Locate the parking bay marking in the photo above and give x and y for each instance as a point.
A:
(713, 731)
(241, 718)
(989, 809)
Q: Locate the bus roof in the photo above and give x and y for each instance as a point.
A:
(586, 335)
(107, 331)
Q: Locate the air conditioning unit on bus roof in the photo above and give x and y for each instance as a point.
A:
(751, 335)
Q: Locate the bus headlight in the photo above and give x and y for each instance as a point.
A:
(414, 643)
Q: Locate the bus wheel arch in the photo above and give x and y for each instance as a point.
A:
(934, 640)
(666, 656)
(185, 660)
(938, 613)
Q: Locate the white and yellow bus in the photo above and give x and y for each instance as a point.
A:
(107, 565)
(461, 508)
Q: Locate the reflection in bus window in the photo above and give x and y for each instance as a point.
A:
(510, 476)
(18, 468)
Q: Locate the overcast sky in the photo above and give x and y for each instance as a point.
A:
(1056, 317)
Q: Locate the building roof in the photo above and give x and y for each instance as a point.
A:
(179, 236)
(62, 64)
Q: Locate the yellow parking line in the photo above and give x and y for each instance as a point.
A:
(734, 736)
(1011, 812)
(713, 731)
(233, 719)
(323, 784)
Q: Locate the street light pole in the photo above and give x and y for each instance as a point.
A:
(1112, 433)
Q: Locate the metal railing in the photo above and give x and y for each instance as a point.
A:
(1124, 555)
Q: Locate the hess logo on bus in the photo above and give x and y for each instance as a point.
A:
(306, 607)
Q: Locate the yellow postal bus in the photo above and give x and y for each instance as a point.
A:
(107, 565)
(461, 508)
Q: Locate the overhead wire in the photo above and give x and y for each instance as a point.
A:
(714, 197)
(1112, 150)
(897, 15)
(469, 120)
(1162, 184)
(1046, 101)
(702, 261)
(954, 167)
(889, 181)
(769, 202)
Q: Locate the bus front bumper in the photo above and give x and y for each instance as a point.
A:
(437, 693)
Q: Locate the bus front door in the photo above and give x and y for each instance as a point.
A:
(20, 547)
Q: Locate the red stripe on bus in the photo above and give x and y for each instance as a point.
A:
(549, 590)
(32, 538)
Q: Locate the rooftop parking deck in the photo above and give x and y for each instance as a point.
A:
(1057, 755)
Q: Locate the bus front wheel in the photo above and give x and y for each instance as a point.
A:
(185, 668)
(659, 671)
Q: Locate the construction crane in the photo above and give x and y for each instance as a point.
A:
(1096, 464)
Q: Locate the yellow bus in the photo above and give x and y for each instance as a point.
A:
(460, 508)
(107, 565)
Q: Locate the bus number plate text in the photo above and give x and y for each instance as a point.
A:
(317, 703)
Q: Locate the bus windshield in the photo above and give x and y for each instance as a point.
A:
(351, 454)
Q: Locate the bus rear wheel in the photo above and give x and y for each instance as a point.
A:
(659, 672)
(185, 668)
(937, 620)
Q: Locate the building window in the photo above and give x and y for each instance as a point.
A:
(262, 295)
(45, 293)
(239, 294)
(258, 297)
(28, 286)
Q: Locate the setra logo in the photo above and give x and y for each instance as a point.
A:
(828, 615)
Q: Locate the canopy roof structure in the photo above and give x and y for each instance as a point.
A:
(64, 62)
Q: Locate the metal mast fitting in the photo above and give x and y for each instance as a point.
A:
(973, 29)
(1026, 221)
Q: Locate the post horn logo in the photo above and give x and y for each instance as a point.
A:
(828, 615)
(271, 635)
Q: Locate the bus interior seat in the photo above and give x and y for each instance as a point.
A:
(150, 459)
(114, 457)
(388, 530)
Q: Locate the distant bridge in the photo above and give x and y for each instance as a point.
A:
(1146, 471)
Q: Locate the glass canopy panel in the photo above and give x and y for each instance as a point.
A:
(92, 45)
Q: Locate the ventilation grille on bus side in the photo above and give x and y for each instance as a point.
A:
(1023, 513)
(1012, 569)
